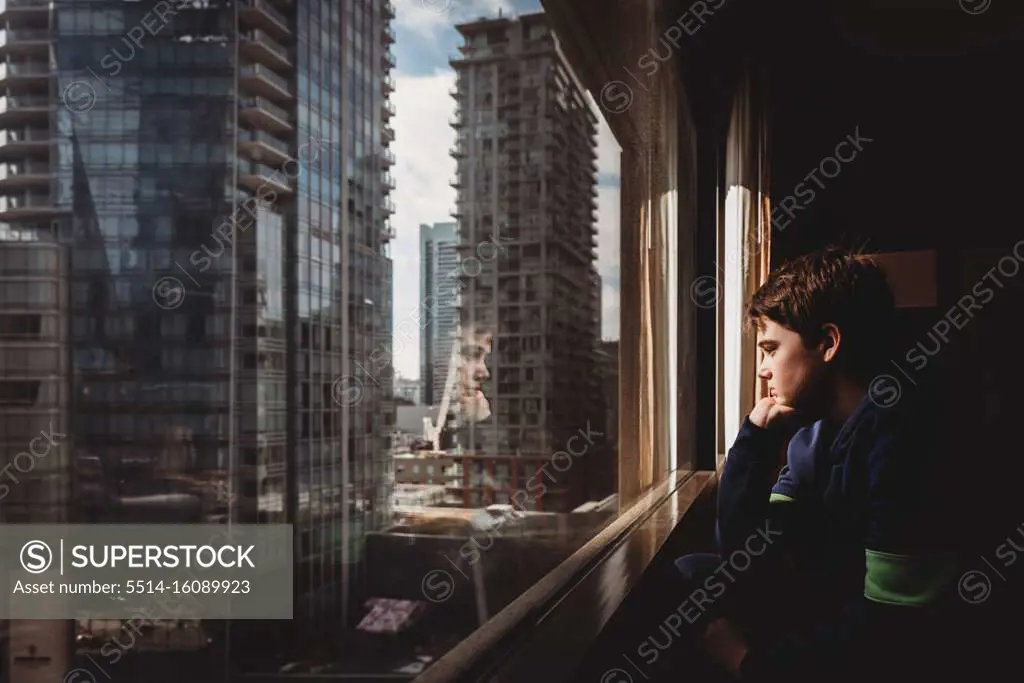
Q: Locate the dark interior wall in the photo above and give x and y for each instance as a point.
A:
(944, 120)
(937, 93)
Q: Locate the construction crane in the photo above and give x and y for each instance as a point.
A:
(433, 431)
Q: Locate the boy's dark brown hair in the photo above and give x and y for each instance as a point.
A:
(834, 285)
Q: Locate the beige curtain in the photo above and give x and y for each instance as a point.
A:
(650, 316)
(648, 389)
(744, 241)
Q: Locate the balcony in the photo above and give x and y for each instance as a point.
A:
(458, 151)
(22, 109)
(25, 205)
(262, 15)
(457, 121)
(389, 35)
(388, 182)
(456, 181)
(389, 85)
(478, 53)
(262, 146)
(387, 59)
(389, 9)
(24, 73)
(33, 42)
(387, 108)
(456, 94)
(259, 47)
(260, 80)
(263, 114)
(388, 157)
(19, 176)
(387, 206)
(23, 142)
(259, 178)
(387, 233)
(388, 134)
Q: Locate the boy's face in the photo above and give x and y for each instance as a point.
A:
(795, 373)
(473, 371)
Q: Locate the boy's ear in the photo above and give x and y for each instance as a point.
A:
(830, 340)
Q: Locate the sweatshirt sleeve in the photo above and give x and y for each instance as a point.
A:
(907, 575)
(747, 498)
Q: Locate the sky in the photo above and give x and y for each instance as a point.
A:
(425, 38)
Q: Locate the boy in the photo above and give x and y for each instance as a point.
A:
(855, 510)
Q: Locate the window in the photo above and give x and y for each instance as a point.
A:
(17, 327)
(742, 265)
(18, 393)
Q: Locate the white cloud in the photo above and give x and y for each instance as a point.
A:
(608, 255)
(608, 150)
(428, 16)
(608, 246)
(609, 312)
(423, 168)
(609, 252)
(423, 195)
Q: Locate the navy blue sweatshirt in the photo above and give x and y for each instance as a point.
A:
(861, 507)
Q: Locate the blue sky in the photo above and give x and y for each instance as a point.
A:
(425, 39)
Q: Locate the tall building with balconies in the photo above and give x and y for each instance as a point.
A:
(526, 155)
(35, 443)
(35, 376)
(439, 287)
(219, 174)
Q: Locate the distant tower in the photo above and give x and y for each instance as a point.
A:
(439, 288)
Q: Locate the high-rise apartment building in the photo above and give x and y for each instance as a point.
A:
(439, 287)
(526, 153)
(35, 448)
(34, 378)
(218, 174)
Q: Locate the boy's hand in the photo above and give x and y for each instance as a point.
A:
(770, 413)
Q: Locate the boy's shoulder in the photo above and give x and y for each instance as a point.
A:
(898, 450)
(908, 423)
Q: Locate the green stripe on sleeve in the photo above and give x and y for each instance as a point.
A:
(779, 498)
(906, 579)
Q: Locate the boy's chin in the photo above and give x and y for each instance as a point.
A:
(805, 405)
(789, 400)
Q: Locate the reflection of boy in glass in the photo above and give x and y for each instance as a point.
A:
(476, 346)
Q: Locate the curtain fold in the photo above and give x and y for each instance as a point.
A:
(649, 342)
(744, 240)
(647, 334)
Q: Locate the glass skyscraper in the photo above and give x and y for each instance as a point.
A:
(439, 285)
(218, 173)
